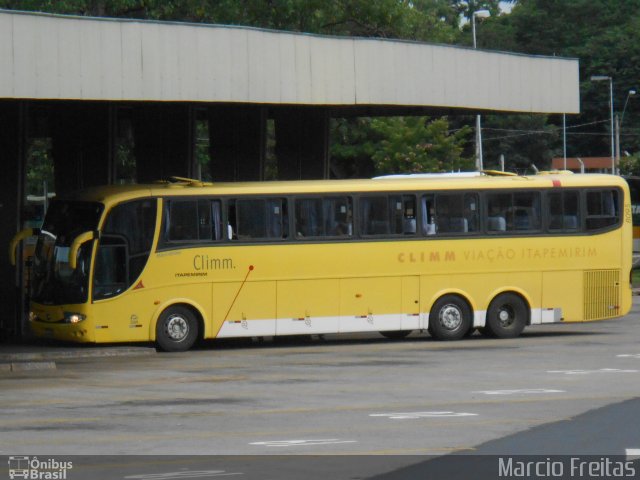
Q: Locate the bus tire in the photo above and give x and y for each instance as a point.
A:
(450, 318)
(395, 334)
(177, 329)
(507, 316)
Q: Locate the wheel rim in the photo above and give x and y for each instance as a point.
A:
(177, 328)
(450, 317)
(506, 316)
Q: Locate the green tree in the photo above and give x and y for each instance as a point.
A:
(630, 165)
(432, 20)
(353, 143)
(604, 35)
(39, 166)
(401, 145)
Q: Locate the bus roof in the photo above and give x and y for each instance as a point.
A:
(118, 193)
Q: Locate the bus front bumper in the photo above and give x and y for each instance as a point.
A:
(71, 327)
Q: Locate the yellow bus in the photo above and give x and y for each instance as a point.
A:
(176, 262)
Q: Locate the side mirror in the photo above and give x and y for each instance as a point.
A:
(77, 243)
(21, 235)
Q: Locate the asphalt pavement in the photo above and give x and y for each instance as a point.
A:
(560, 397)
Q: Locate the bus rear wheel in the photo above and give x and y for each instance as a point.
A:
(450, 318)
(507, 316)
(177, 329)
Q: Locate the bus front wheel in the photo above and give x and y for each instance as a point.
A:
(177, 329)
(506, 316)
(450, 318)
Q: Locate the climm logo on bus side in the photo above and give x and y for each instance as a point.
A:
(424, 257)
(204, 263)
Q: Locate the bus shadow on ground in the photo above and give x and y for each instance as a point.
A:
(475, 341)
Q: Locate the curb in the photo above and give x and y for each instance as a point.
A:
(27, 366)
(35, 356)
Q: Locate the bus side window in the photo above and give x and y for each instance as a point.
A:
(472, 211)
(526, 211)
(456, 213)
(602, 209)
(514, 212)
(497, 205)
(258, 218)
(408, 214)
(193, 220)
(250, 219)
(308, 217)
(323, 217)
(338, 217)
(231, 221)
(428, 215)
(277, 218)
(564, 211)
(216, 219)
(374, 215)
(387, 214)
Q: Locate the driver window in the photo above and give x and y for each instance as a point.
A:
(124, 247)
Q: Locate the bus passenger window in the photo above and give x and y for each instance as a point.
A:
(338, 217)
(193, 220)
(388, 214)
(408, 214)
(261, 218)
(323, 217)
(428, 215)
(308, 217)
(456, 213)
(183, 221)
(497, 205)
(526, 211)
(513, 212)
(602, 209)
(374, 213)
(564, 211)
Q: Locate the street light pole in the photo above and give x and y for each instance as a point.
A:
(619, 120)
(479, 160)
(629, 94)
(599, 78)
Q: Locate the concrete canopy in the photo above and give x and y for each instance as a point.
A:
(77, 58)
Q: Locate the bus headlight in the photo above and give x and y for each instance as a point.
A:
(70, 317)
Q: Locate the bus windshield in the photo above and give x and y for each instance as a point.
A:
(53, 281)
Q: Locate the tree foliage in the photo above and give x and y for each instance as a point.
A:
(433, 20)
(630, 165)
(605, 36)
(378, 146)
(418, 144)
(40, 168)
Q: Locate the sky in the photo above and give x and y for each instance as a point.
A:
(506, 7)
